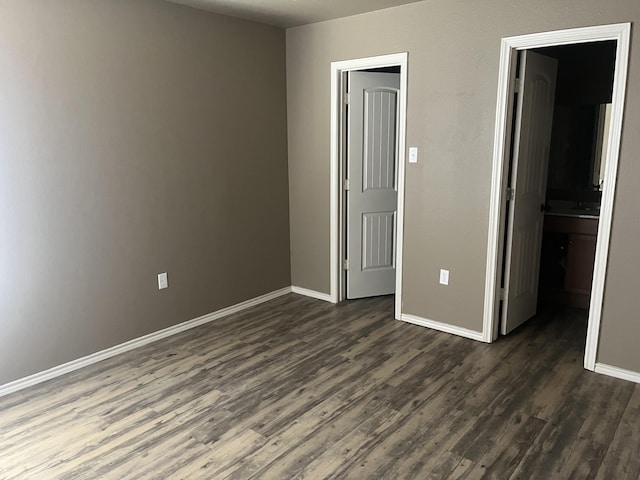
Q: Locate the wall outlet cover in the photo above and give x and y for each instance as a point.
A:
(444, 277)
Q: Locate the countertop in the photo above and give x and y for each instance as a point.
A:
(574, 213)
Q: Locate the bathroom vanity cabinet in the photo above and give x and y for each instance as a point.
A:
(568, 258)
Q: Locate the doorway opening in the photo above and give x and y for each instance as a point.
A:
(581, 123)
(555, 175)
(555, 166)
(368, 124)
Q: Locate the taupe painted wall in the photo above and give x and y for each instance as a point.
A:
(135, 138)
(453, 50)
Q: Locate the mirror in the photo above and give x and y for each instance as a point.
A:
(578, 147)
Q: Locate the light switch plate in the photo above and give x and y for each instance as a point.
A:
(444, 277)
(163, 281)
(413, 154)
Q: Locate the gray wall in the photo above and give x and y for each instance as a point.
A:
(135, 138)
(453, 50)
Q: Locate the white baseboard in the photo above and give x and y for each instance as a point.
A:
(312, 293)
(442, 327)
(135, 343)
(617, 372)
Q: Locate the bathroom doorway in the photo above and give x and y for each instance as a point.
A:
(505, 176)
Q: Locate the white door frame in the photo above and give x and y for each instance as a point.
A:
(337, 167)
(621, 34)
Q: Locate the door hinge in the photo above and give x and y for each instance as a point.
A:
(347, 98)
(518, 85)
(345, 264)
(502, 294)
(511, 194)
(346, 184)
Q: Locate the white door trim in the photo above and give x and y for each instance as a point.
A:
(621, 33)
(337, 220)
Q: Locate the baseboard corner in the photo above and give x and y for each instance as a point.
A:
(617, 372)
(312, 294)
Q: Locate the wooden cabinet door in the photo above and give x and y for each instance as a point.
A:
(581, 253)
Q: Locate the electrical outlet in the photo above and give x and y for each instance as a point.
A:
(444, 277)
(163, 281)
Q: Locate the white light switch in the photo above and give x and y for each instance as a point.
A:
(444, 277)
(413, 154)
(163, 281)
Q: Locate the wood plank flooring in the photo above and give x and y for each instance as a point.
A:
(298, 388)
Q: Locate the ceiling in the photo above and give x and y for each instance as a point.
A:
(291, 13)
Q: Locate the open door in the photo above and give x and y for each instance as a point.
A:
(372, 195)
(527, 187)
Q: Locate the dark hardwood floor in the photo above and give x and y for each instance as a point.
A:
(298, 388)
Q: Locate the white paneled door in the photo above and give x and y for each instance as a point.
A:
(372, 195)
(532, 139)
